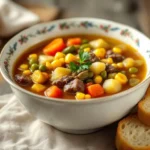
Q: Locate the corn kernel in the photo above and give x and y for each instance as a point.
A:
(133, 75)
(59, 55)
(62, 60)
(38, 87)
(114, 65)
(98, 79)
(104, 60)
(26, 72)
(56, 63)
(117, 50)
(23, 67)
(80, 96)
(48, 65)
(70, 58)
(100, 52)
(120, 65)
(87, 49)
(87, 96)
(33, 56)
(109, 60)
(121, 78)
(38, 77)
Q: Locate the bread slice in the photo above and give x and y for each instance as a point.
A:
(132, 134)
(144, 109)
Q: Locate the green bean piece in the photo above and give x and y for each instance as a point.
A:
(104, 74)
(111, 75)
(83, 75)
(77, 46)
(123, 72)
(42, 68)
(32, 61)
(89, 80)
(133, 70)
(85, 41)
(133, 81)
(91, 74)
(69, 49)
(34, 67)
(83, 46)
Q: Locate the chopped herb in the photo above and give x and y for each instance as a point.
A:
(84, 64)
(83, 56)
(74, 67)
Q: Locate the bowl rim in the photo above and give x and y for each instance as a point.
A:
(72, 101)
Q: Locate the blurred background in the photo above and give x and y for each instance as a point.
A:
(134, 13)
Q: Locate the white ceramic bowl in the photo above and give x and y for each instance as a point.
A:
(76, 116)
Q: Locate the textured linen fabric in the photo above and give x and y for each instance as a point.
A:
(14, 18)
(21, 131)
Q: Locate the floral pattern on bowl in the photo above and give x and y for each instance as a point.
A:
(66, 26)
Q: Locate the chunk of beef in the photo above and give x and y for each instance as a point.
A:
(93, 57)
(74, 86)
(111, 69)
(116, 57)
(23, 80)
(62, 81)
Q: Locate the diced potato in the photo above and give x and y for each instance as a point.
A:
(100, 52)
(38, 87)
(39, 77)
(99, 43)
(112, 86)
(97, 67)
(128, 62)
(45, 58)
(59, 72)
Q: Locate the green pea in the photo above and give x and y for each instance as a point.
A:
(84, 41)
(34, 67)
(69, 49)
(42, 68)
(133, 70)
(104, 74)
(32, 61)
(111, 75)
(89, 80)
(83, 46)
(91, 74)
(133, 81)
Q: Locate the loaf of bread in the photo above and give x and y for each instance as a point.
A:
(132, 134)
(144, 109)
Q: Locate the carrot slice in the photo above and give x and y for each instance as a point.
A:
(57, 45)
(73, 41)
(95, 90)
(53, 91)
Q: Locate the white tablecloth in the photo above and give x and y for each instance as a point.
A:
(21, 131)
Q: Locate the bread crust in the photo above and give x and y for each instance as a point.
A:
(121, 143)
(143, 115)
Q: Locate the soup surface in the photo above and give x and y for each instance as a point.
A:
(79, 67)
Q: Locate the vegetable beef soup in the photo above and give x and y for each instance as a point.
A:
(79, 67)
